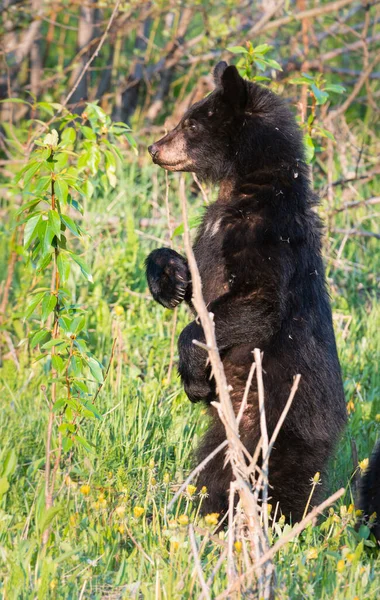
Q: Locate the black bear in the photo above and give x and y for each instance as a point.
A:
(258, 251)
(370, 493)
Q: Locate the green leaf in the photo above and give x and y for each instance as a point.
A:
(44, 262)
(309, 148)
(63, 265)
(4, 486)
(59, 404)
(111, 168)
(68, 136)
(96, 369)
(332, 87)
(325, 133)
(70, 224)
(54, 343)
(48, 305)
(77, 324)
(28, 205)
(61, 189)
(48, 516)
(193, 222)
(9, 463)
(38, 337)
(262, 49)
(31, 228)
(132, 142)
(67, 444)
(301, 80)
(237, 50)
(88, 133)
(364, 532)
(274, 64)
(320, 96)
(57, 362)
(30, 172)
(261, 64)
(55, 222)
(33, 303)
(93, 409)
(83, 267)
(83, 442)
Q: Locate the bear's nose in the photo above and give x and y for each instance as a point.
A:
(153, 150)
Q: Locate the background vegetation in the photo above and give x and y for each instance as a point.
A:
(96, 433)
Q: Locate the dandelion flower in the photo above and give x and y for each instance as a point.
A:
(312, 554)
(183, 520)
(212, 519)
(191, 489)
(203, 493)
(238, 547)
(85, 489)
(340, 566)
(138, 511)
(363, 464)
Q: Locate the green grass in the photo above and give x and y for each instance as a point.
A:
(143, 444)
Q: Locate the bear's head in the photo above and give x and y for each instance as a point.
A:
(238, 128)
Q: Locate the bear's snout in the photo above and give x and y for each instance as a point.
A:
(153, 150)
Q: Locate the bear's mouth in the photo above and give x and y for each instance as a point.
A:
(176, 166)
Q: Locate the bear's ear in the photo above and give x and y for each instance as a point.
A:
(234, 88)
(218, 72)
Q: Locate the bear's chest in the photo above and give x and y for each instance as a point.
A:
(208, 253)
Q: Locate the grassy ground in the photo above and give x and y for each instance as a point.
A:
(109, 536)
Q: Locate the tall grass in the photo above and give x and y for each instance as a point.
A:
(110, 537)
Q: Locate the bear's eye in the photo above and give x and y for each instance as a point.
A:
(192, 125)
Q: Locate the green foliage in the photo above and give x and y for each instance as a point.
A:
(255, 59)
(55, 181)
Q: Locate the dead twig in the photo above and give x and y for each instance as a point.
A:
(198, 566)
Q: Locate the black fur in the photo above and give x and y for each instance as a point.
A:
(370, 493)
(258, 251)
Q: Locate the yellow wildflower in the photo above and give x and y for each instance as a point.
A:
(350, 407)
(312, 554)
(183, 520)
(363, 464)
(238, 546)
(212, 519)
(85, 489)
(73, 519)
(166, 478)
(340, 566)
(119, 310)
(138, 511)
(121, 529)
(191, 489)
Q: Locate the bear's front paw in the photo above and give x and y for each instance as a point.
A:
(168, 277)
(200, 391)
